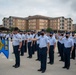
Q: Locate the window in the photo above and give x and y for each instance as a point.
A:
(62, 27)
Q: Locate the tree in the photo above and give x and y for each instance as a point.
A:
(75, 31)
(49, 30)
(11, 29)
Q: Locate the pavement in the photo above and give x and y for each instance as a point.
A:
(30, 66)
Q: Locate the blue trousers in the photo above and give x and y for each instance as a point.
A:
(25, 50)
(22, 48)
(67, 57)
(58, 45)
(38, 51)
(61, 52)
(17, 55)
(51, 54)
(29, 49)
(43, 58)
(73, 53)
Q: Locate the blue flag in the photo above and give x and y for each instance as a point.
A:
(4, 47)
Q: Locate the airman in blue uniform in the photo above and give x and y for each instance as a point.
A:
(52, 48)
(44, 47)
(17, 44)
(68, 48)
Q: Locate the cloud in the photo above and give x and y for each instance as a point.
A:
(24, 8)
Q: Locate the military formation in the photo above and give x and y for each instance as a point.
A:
(44, 44)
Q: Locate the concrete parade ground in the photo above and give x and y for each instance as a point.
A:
(30, 66)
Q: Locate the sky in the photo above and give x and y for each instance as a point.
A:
(50, 8)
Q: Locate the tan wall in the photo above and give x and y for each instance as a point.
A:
(60, 23)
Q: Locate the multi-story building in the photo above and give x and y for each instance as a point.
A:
(57, 23)
(15, 22)
(74, 27)
(69, 24)
(6, 22)
(38, 22)
(61, 24)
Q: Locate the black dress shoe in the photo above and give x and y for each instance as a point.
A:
(28, 57)
(22, 55)
(43, 71)
(49, 62)
(60, 60)
(37, 59)
(67, 68)
(17, 66)
(64, 67)
(13, 65)
(39, 70)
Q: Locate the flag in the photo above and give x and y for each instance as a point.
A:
(4, 47)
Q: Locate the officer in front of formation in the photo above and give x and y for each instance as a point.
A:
(68, 48)
(44, 48)
(52, 48)
(17, 43)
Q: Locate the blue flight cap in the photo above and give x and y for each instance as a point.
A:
(51, 33)
(42, 30)
(67, 32)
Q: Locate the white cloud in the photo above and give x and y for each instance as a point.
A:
(52, 8)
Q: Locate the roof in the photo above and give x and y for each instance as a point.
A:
(16, 17)
(38, 17)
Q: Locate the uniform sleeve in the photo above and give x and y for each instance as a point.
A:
(72, 43)
(54, 40)
(19, 38)
(47, 40)
(38, 38)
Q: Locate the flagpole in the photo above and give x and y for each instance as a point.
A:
(10, 50)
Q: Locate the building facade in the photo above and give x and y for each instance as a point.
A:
(38, 22)
(74, 27)
(61, 24)
(15, 22)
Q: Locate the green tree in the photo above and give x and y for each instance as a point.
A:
(11, 29)
(49, 30)
(75, 31)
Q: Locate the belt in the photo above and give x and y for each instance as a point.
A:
(16, 46)
(51, 45)
(68, 48)
(43, 47)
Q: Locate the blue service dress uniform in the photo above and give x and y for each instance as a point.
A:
(51, 49)
(68, 43)
(16, 41)
(43, 41)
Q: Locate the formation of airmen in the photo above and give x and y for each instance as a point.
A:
(44, 43)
